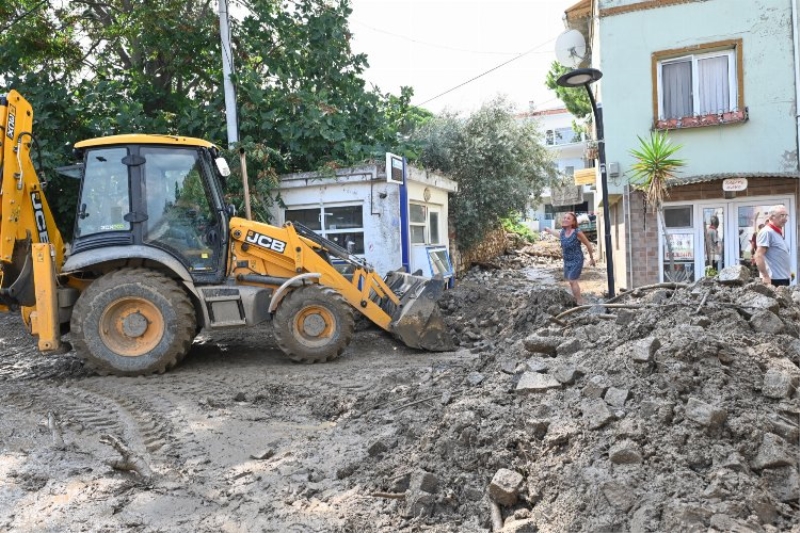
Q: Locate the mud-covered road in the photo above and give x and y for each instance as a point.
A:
(228, 436)
(676, 410)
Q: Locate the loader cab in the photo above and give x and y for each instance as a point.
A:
(157, 194)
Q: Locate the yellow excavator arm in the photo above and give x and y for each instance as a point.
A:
(31, 247)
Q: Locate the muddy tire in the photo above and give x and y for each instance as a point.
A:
(313, 324)
(133, 322)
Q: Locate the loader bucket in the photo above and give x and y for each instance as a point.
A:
(418, 321)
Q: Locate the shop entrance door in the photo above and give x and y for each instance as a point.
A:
(709, 236)
(713, 240)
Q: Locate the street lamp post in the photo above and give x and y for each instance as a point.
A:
(585, 77)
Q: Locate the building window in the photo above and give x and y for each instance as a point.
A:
(433, 219)
(678, 217)
(697, 83)
(343, 225)
(423, 224)
(560, 136)
(418, 221)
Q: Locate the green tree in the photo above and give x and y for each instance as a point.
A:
(655, 163)
(575, 98)
(302, 92)
(97, 68)
(498, 162)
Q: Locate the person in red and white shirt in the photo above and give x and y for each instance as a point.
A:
(772, 254)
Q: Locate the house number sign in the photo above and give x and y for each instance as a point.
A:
(734, 184)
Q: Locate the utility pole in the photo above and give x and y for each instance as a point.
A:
(230, 100)
(227, 71)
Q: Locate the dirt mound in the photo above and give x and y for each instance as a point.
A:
(677, 410)
(673, 408)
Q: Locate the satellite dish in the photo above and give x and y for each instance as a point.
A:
(570, 48)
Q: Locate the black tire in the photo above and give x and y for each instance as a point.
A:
(133, 322)
(313, 324)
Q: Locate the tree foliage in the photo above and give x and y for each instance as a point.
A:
(97, 68)
(575, 98)
(498, 162)
(655, 163)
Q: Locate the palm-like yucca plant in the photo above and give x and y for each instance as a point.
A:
(655, 164)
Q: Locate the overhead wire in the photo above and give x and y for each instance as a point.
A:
(432, 45)
(523, 54)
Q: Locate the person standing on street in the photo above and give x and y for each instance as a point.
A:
(712, 243)
(571, 238)
(772, 254)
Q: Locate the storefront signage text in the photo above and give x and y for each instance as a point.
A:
(734, 184)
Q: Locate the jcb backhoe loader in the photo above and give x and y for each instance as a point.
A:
(157, 255)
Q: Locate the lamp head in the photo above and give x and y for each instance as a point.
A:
(579, 77)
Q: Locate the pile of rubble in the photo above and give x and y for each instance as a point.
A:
(673, 408)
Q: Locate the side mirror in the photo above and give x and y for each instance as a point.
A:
(230, 209)
(222, 167)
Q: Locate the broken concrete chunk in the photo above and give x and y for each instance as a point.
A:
(753, 301)
(787, 430)
(779, 384)
(400, 483)
(734, 275)
(772, 453)
(473, 494)
(420, 500)
(264, 454)
(596, 387)
(619, 495)
(597, 414)
(783, 483)
(679, 516)
(625, 317)
(537, 364)
(660, 409)
(569, 347)
(616, 397)
(505, 486)
(536, 382)
(766, 322)
(509, 366)
(560, 432)
(630, 428)
(644, 349)
(566, 374)
(546, 345)
(424, 481)
(418, 505)
(377, 448)
(625, 452)
(721, 522)
(538, 427)
(475, 378)
(705, 414)
(521, 526)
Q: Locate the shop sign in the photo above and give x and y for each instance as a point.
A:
(585, 176)
(734, 184)
(682, 246)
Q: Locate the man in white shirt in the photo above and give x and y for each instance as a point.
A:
(772, 254)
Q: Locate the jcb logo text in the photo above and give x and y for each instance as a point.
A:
(265, 242)
(12, 121)
(38, 215)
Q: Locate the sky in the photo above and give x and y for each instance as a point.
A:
(435, 46)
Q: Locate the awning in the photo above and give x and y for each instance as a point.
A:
(679, 181)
